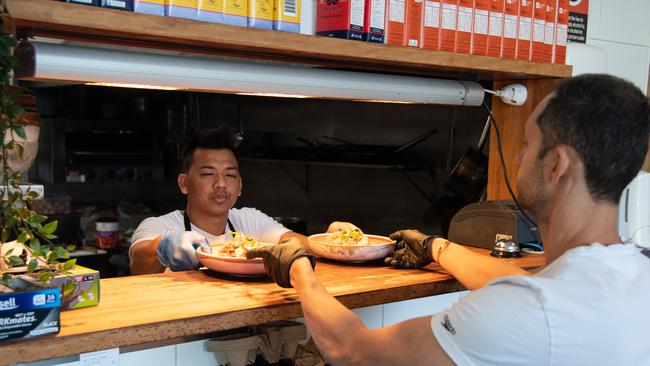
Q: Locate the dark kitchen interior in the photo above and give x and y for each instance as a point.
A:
(114, 152)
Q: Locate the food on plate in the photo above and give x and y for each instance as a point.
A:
(348, 238)
(237, 246)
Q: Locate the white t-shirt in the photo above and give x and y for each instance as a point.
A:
(591, 306)
(251, 222)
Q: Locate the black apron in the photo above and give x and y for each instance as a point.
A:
(188, 227)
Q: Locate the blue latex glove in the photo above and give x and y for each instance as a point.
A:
(177, 249)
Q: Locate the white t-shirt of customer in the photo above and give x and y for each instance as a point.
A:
(249, 221)
(591, 306)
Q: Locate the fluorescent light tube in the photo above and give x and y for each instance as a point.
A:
(58, 62)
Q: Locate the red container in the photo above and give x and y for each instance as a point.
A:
(510, 25)
(341, 19)
(431, 25)
(495, 28)
(395, 22)
(559, 49)
(448, 25)
(525, 31)
(414, 13)
(464, 25)
(480, 30)
(539, 29)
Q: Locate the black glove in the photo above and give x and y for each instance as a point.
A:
(278, 259)
(413, 249)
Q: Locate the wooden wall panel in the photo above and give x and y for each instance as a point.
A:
(511, 121)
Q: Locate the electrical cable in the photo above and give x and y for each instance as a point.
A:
(503, 166)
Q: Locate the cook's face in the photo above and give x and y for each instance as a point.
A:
(213, 183)
(530, 180)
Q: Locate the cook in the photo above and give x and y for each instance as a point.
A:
(211, 181)
(582, 145)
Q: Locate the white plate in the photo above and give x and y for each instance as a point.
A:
(231, 265)
(377, 247)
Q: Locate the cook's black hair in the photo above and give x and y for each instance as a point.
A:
(218, 138)
(607, 121)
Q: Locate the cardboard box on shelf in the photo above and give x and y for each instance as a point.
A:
(260, 14)
(431, 25)
(448, 25)
(395, 24)
(510, 25)
(342, 19)
(549, 33)
(480, 30)
(414, 13)
(524, 33)
(187, 9)
(559, 47)
(153, 7)
(495, 28)
(374, 22)
(235, 12)
(210, 11)
(464, 26)
(286, 15)
(117, 4)
(539, 29)
(79, 287)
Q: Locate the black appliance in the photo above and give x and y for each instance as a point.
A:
(477, 224)
(80, 150)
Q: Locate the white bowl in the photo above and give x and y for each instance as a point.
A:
(231, 265)
(377, 247)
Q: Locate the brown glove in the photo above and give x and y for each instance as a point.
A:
(278, 259)
(413, 249)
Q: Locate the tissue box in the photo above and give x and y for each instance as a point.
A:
(28, 311)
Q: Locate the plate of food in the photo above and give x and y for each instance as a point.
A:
(230, 257)
(351, 246)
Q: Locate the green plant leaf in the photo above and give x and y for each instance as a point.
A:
(7, 279)
(16, 261)
(22, 237)
(36, 219)
(50, 228)
(45, 276)
(69, 287)
(60, 252)
(49, 236)
(70, 264)
(35, 244)
(8, 253)
(32, 265)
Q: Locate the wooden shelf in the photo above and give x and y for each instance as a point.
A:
(166, 307)
(83, 23)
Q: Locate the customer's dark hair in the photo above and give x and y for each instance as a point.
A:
(607, 121)
(218, 138)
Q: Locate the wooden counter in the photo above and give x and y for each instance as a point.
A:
(163, 307)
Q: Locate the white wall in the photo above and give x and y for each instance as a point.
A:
(622, 29)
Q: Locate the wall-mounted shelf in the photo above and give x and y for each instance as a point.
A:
(84, 23)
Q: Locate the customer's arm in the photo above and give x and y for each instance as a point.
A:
(144, 258)
(345, 340)
(472, 269)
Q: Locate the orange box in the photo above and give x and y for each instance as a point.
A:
(510, 26)
(480, 31)
(464, 26)
(414, 13)
(495, 28)
(539, 29)
(395, 24)
(524, 33)
(431, 25)
(448, 25)
(559, 48)
(549, 33)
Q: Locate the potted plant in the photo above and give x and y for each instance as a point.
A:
(31, 248)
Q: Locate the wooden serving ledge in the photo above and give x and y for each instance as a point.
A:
(165, 307)
(83, 23)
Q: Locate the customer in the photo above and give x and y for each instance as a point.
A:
(583, 144)
(212, 183)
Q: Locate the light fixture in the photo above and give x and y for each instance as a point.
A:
(77, 64)
(513, 94)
